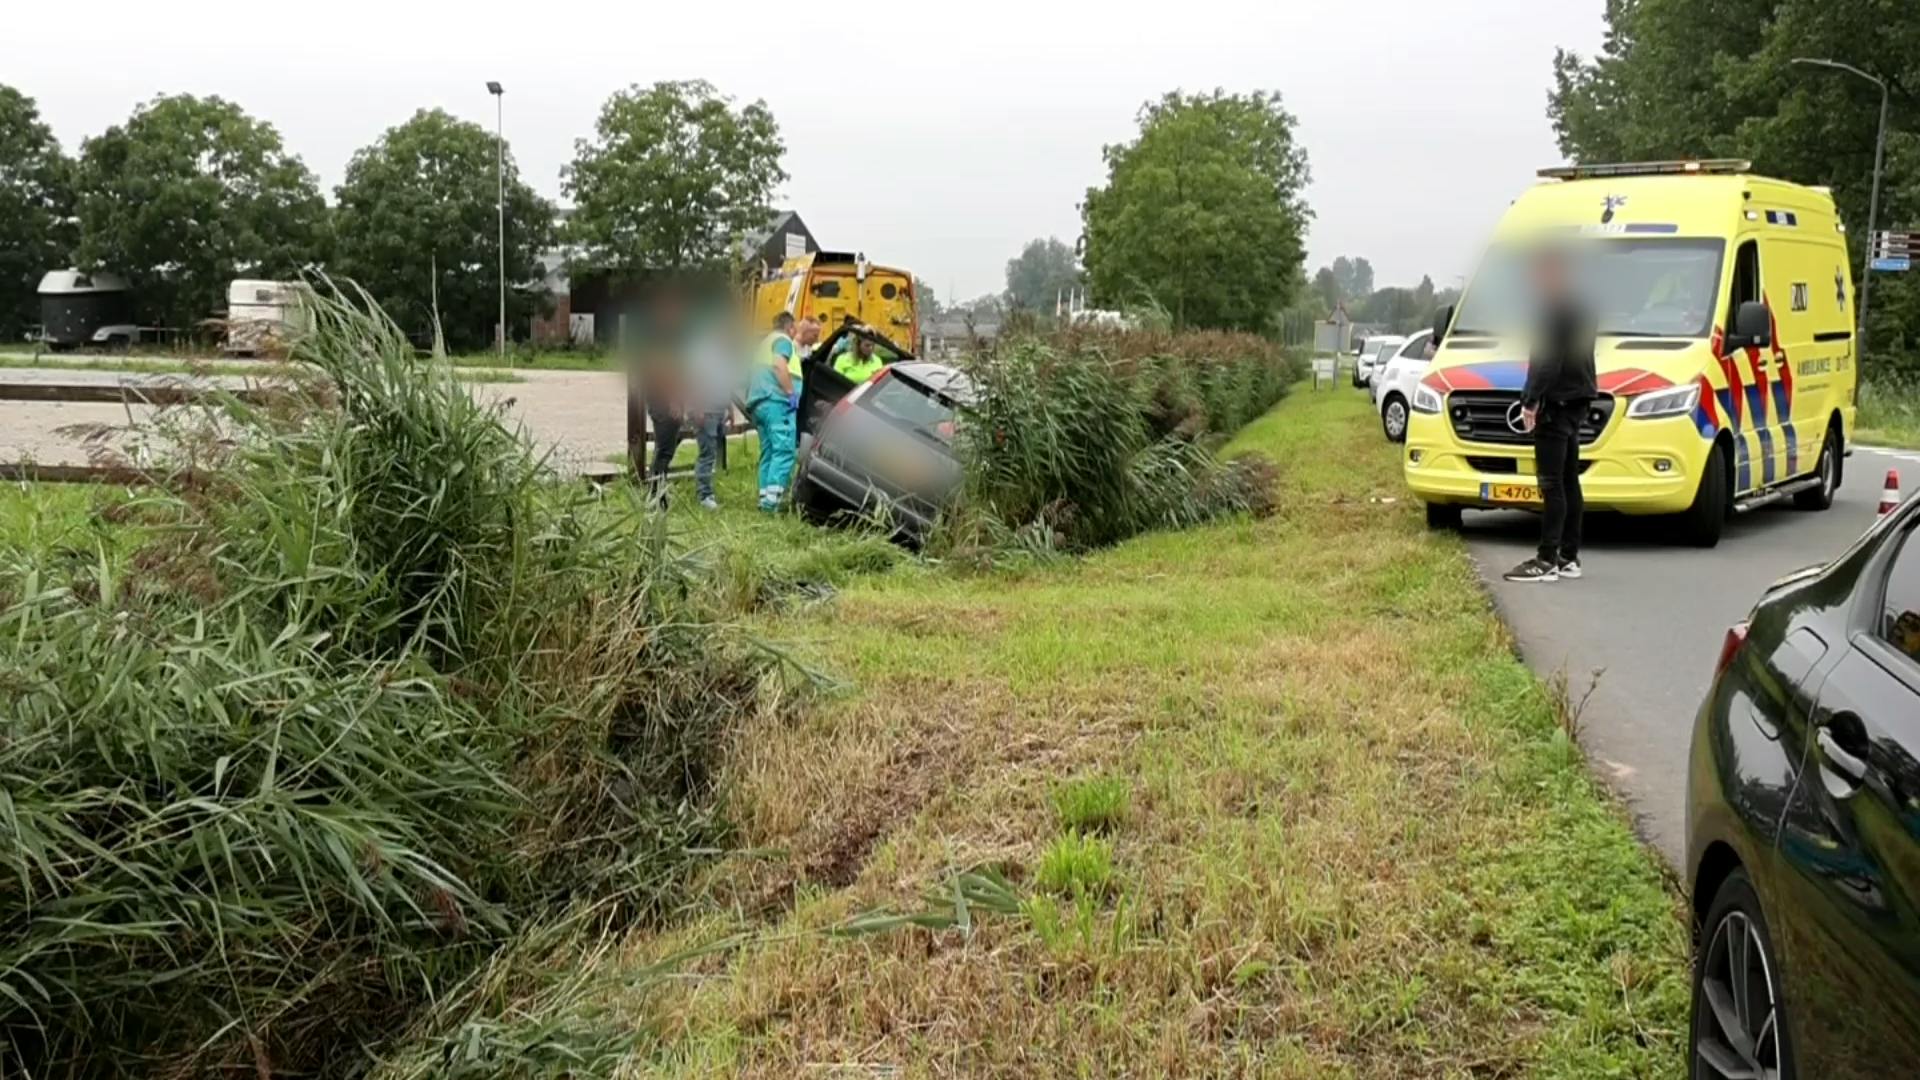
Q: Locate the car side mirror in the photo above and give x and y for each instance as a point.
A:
(1441, 320)
(1752, 328)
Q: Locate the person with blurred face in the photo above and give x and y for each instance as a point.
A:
(1560, 388)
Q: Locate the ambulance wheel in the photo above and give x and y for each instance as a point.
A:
(1828, 470)
(1443, 516)
(1702, 522)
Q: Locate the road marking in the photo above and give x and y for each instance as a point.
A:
(1900, 455)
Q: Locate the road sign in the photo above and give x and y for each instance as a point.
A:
(1325, 367)
(1892, 251)
(1895, 243)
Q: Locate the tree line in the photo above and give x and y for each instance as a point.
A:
(190, 192)
(1716, 78)
(1348, 284)
(1200, 221)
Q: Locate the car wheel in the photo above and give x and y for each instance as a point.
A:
(1443, 516)
(1739, 1025)
(1702, 522)
(1393, 418)
(1828, 470)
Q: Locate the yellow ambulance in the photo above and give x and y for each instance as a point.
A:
(1725, 349)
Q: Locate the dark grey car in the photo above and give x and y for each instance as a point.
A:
(882, 449)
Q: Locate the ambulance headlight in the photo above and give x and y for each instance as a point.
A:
(1665, 403)
(1425, 400)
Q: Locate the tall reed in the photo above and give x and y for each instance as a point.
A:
(372, 701)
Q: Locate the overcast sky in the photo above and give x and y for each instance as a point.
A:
(935, 136)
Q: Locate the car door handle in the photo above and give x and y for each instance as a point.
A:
(1842, 761)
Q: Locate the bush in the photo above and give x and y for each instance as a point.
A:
(374, 702)
(1890, 408)
(1095, 436)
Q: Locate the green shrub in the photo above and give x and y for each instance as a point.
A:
(1094, 437)
(372, 703)
(1093, 804)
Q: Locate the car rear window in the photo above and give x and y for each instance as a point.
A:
(912, 404)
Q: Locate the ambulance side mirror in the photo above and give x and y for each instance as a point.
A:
(1752, 328)
(1441, 320)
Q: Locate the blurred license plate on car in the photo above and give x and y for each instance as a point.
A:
(1510, 493)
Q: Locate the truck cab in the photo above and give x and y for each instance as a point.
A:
(837, 289)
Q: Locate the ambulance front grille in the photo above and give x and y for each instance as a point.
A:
(1480, 416)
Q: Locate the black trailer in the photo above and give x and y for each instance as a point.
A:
(79, 308)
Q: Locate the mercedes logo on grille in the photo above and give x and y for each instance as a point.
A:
(1515, 418)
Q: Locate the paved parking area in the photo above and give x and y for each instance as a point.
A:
(577, 417)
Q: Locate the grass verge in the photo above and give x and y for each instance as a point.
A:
(1263, 797)
(1889, 413)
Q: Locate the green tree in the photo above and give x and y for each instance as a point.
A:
(1202, 214)
(1397, 309)
(926, 302)
(416, 215)
(1038, 276)
(673, 177)
(1355, 277)
(36, 197)
(188, 194)
(1697, 78)
(1326, 287)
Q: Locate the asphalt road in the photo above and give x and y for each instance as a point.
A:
(1649, 617)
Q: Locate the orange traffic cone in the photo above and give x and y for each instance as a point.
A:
(1890, 495)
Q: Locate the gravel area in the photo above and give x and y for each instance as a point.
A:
(577, 417)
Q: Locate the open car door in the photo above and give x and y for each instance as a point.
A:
(822, 387)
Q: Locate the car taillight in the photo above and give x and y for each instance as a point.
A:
(1730, 648)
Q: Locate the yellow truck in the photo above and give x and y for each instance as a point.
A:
(835, 288)
(1724, 349)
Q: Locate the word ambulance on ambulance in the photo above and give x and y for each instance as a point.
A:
(1724, 349)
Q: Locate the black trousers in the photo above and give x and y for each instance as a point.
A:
(666, 442)
(1556, 460)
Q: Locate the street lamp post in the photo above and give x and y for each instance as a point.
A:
(1873, 199)
(500, 181)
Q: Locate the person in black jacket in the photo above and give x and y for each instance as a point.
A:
(1560, 389)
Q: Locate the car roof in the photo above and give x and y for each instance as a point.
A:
(939, 378)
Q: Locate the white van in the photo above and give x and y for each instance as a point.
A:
(262, 316)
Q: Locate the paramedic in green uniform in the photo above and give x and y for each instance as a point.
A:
(773, 396)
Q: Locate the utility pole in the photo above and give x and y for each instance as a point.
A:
(1873, 199)
(500, 182)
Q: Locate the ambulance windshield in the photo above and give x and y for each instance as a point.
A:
(1636, 287)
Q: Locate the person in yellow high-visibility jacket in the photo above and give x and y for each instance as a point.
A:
(861, 362)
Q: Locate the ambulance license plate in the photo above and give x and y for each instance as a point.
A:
(1510, 493)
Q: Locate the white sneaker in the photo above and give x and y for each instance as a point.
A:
(1570, 568)
(710, 503)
